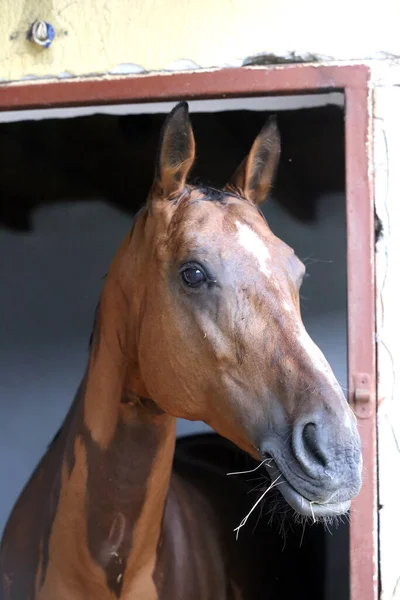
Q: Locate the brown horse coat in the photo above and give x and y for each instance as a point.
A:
(199, 318)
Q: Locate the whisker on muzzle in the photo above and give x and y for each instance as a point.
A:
(245, 519)
(267, 460)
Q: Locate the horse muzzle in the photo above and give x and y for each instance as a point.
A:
(316, 467)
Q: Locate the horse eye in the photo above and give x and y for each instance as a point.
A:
(193, 276)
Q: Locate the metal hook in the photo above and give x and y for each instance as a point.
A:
(41, 33)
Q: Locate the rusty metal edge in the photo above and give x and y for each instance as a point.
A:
(354, 80)
(361, 333)
(218, 83)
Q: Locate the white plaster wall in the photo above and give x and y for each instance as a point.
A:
(387, 190)
(108, 37)
(259, 104)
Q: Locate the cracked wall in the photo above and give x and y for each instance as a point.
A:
(387, 190)
(99, 37)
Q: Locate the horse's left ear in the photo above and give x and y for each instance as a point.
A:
(253, 178)
(176, 153)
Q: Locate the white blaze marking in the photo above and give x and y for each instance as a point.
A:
(286, 306)
(317, 357)
(254, 245)
(251, 242)
(321, 364)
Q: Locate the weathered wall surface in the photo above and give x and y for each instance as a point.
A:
(387, 187)
(122, 36)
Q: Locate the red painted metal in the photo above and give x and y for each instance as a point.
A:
(363, 398)
(218, 83)
(260, 81)
(361, 335)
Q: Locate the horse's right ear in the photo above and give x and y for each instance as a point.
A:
(176, 153)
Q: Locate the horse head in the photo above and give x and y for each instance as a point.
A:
(214, 329)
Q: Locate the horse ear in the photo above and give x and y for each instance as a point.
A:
(176, 153)
(253, 178)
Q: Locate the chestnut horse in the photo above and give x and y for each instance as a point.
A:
(199, 318)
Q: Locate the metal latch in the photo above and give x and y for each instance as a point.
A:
(362, 395)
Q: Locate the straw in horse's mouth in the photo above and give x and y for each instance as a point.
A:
(317, 511)
(304, 509)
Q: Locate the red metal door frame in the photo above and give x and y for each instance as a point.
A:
(354, 81)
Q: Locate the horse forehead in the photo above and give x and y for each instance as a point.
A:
(216, 220)
(233, 227)
(252, 241)
(196, 215)
(263, 248)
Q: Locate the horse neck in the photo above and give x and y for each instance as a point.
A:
(122, 447)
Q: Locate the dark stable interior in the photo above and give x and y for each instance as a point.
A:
(113, 157)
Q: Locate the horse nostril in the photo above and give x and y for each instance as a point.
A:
(311, 445)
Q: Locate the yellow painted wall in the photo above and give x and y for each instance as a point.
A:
(97, 36)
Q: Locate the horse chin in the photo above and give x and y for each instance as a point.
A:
(303, 506)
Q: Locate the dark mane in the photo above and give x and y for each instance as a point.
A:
(214, 194)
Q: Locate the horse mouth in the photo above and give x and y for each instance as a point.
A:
(301, 505)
